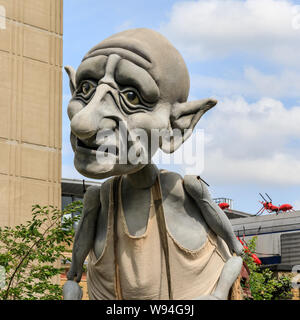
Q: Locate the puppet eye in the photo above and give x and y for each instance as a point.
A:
(87, 88)
(132, 97)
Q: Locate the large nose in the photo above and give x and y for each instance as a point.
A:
(95, 115)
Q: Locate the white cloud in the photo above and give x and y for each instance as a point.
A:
(279, 169)
(246, 144)
(208, 29)
(287, 83)
(252, 143)
(253, 83)
(296, 205)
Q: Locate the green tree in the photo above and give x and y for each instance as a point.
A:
(31, 253)
(264, 285)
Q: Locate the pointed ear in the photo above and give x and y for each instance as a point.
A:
(71, 73)
(183, 119)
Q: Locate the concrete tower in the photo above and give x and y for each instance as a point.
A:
(30, 106)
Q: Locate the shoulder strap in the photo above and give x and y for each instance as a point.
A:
(157, 197)
(115, 197)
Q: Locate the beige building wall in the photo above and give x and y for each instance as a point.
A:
(30, 107)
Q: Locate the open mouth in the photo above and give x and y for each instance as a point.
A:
(107, 149)
(81, 144)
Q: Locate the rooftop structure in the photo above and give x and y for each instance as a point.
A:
(278, 237)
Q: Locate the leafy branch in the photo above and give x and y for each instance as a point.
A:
(264, 284)
(31, 253)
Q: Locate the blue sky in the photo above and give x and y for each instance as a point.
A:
(245, 54)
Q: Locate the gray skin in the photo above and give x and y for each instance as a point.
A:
(144, 62)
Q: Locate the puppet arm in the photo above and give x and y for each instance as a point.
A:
(212, 213)
(229, 274)
(220, 224)
(84, 240)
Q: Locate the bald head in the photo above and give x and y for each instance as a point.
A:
(154, 53)
(138, 79)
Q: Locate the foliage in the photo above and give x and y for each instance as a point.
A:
(264, 285)
(31, 253)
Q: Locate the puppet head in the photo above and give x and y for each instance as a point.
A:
(129, 98)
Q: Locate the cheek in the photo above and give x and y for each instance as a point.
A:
(74, 107)
(157, 119)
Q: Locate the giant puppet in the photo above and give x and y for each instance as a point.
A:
(149, 234)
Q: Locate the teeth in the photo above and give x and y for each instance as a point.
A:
(107, 137)
(108, 149)
(104, 133)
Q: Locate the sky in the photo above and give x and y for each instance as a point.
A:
(245, 54)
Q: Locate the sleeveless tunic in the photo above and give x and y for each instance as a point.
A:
(142, 265)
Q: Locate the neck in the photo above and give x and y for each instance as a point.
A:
(144, 178)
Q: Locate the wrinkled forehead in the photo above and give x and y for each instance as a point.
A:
(153, 53)
(134, 51)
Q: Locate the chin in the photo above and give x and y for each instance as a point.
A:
(92, 169)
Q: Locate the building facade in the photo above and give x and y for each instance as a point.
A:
(278, 237)
(30, 106)
(277, 244)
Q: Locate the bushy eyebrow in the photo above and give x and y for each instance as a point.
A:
(129, 74)
(92, 68)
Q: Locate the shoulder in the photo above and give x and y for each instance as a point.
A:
(92, 191)
(171, 184)
(174, 184)
(170, 178)
(97, 194)
(106, 187)
(92, 195)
